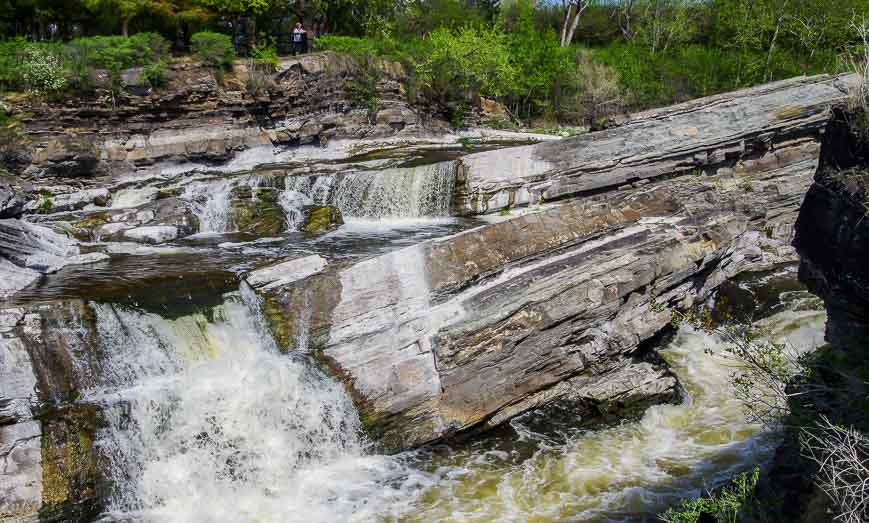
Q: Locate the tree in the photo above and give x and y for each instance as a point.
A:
(129, 9)
(572, 16)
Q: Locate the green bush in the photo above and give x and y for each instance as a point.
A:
(731, 505)
(213, 49)
(155, 73)
(11, 54)
(109, 52)
(471, 60)
(41, 71)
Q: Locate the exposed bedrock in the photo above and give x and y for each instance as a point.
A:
(731, 130)
(832, 232)
(467, 331)
(308, 100)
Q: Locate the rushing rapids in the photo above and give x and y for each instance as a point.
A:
(208, 421)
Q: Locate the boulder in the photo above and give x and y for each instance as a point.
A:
(320, 218)
(153, 234)
(11, 201)
(258, 211)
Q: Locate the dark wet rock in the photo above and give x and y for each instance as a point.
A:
(113, 224)
(832, 232)
(320, 218)
(47, 203)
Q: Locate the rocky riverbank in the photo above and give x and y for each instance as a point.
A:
(438, 326)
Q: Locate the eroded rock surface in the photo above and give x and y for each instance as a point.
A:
(468, 331)
(704, 135)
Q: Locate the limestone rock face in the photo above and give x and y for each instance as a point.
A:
(464, 332)
(704, 135)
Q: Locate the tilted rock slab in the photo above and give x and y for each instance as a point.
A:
(701, 135)
(467, 331)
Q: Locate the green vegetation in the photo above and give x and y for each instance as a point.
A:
(49, 67)
(578, 61)
(731, 504)
(213, 49)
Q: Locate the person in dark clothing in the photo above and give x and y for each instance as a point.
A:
(300, 39)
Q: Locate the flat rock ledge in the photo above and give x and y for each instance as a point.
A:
(462, 333)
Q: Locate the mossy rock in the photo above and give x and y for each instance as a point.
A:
(168, 192)
(72, 483)
(320, 218)
(258, 211)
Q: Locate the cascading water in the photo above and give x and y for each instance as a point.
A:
(630, 472)
(209, 422)
(413, 192)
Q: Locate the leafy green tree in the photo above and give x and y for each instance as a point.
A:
(129, 9)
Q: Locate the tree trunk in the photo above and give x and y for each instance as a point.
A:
(781, 16)
(125, 27)
(567, 36)
(565, 24)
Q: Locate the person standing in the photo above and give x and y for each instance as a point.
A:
(300, 39)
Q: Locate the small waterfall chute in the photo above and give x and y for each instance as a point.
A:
(208, 421)
(413, 192)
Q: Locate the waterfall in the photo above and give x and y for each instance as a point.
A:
(210, 203)
(209, 422)
(413, 192)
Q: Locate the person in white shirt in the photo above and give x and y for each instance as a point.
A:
(300, 39)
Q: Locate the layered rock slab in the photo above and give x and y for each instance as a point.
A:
(702, 135)
(467, 331)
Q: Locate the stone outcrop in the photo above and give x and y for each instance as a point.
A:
(308, 100)
(832, 233)
(731, 130)
(49, 464)
(320, 218)
(11, 201)
(464, 332)
(28, 250)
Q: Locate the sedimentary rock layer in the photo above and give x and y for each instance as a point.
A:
(195, 118)
(701, 135)
(465, 332)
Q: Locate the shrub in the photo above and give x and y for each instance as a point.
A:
(11, 53)
(155, 73)
(266, 56)
(213, 49)
(470, 60)
(730, 505)
(108, 52)
(41, 71)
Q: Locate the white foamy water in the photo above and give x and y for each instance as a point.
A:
(399, 193)
(210, 423)
(630, 472)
